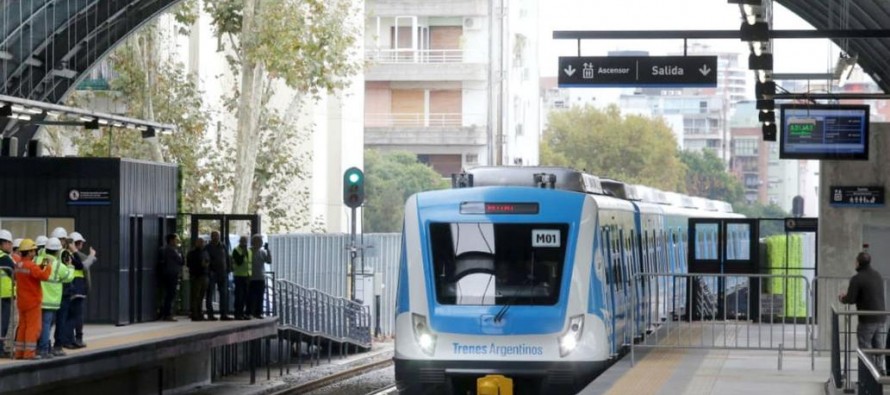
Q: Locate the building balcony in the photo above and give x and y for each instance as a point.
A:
(427, 7)
(425, 65)
(425, 129)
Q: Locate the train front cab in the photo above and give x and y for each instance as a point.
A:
(493, 293)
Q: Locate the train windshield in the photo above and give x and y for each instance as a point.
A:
(494, 264)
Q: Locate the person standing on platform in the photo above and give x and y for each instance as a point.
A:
(198, 262)
(242, 259)
(258, 275)
(29, 297)
(220, 267)
(71, 336)
(7, 270)
(866, 291)
(169, 268)
(63, 314)
(60, 273)
(41, 245)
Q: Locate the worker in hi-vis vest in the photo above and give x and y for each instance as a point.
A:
(242, 263)
(60, 273)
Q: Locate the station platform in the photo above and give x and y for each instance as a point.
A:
(140, 358)
(697, 371)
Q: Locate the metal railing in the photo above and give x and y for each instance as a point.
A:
(844, 344)
(871, 377)
(316, 313)
(715, 311)
(423, 120)
(7, 342)
(426, 56)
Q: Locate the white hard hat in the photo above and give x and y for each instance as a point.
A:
(53, 244)
(59, 233)
(16, 243)
(41, 241)
(76, 237)
(5, 235)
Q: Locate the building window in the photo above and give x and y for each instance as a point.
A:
(472, 159)
(745, 147)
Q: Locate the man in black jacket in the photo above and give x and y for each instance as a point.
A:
(198, 262)
(169, 266)
(866, 290)
(220, 267)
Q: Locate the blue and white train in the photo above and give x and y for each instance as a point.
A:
(526, 272)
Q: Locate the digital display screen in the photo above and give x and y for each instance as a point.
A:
(824, 132)
(498, 208)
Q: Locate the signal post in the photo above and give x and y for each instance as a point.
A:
(353, 197)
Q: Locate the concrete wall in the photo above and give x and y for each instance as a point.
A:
(842, 231)
(181, 373)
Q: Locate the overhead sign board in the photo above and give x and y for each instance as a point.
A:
(637, 71)
(857, 196)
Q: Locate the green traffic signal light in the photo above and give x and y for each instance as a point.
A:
(353, 187)
(354, 178)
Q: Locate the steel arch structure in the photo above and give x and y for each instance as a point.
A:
(48, 46)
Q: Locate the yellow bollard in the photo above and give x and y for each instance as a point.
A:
(494, 384)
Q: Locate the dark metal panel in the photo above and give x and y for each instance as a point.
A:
(41, 190)
(38, 187)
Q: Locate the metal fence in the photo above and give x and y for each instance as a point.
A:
(319, 261)
(715, 311)
(316, 313)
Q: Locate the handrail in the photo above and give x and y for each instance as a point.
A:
(840, 358)
(415, 56)
(865, 357)
(317, 313)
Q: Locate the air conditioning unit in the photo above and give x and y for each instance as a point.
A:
(472, 23)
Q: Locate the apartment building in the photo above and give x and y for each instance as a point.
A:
(453, 82)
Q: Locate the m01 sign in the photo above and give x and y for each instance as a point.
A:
(546, 238)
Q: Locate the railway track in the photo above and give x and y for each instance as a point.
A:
(339, 377)
(390, 390)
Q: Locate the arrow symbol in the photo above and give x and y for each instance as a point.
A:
(705, 70)
(569, 70)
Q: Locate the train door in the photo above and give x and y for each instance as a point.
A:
(721, 246)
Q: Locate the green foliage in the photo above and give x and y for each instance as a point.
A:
(631, 149)
(174, 98)
(706, 176)
(306, 43)
(391, 178)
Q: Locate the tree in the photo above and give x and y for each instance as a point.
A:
(390, 179)
(307, 44)
(706, 176)
(156, 88)
(631, 149)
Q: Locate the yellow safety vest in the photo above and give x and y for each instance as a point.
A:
(6, 287)
(243, 270)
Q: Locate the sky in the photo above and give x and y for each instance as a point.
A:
(790, 56)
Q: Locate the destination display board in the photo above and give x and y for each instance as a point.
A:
(831, 132)
(637, 71)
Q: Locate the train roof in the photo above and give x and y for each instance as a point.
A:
(573, 180)
(566, 179)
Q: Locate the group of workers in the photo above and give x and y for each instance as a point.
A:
(209, 265)
(51, 284)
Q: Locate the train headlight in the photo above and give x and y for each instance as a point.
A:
(422, 334)
(569, 339)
